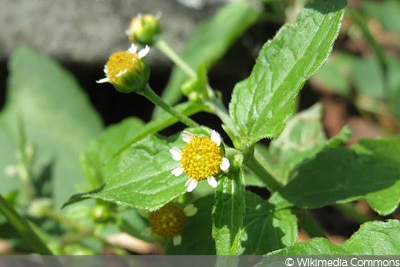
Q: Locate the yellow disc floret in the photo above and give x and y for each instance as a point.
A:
(201, 158)
(167, 221)
(118, 63)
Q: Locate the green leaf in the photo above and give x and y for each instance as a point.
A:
(302, 138)
(266, 229)
(368, 171)
(8, 158)
(140, 176)
(23, 228)
(210, 42)
(113, 139)
(386, 12)
(56, 116)
(119, 137)
(263, 102)
(373, 238)
(228, 215)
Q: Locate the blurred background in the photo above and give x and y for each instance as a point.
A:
(359, 86)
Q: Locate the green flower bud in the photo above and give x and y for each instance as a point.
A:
(127, 71)
(144, 29)
(101, 213)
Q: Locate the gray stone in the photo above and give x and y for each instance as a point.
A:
(88, 31)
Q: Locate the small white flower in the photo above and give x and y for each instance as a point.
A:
(202, 158)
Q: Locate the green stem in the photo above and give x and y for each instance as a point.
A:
(23, 228)
(153, 97)
(308, 223)
(65, 220)
(169, 52)
(269, 181)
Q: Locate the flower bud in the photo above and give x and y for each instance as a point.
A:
(144, 29)
(127, 71)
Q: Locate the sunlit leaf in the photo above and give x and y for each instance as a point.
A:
(263, 102)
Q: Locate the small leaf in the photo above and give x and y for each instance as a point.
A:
(373, 238)
(266, 229)
(368, 171)
(263, 102)
(228, 215)
(211, 41)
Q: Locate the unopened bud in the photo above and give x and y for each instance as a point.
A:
(144, 29)
(127, 71)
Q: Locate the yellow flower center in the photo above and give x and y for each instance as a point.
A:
(168, 221)
(119, 62)
(201, 158)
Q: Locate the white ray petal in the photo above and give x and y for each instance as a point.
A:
(176, 153)
(104, 80)
(225, 164)
(177, 171)
(216, 138)
(143, 52)
(187, 136)
(212, 182)
(133, 49)
(191, 184)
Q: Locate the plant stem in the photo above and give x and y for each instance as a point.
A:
(169, 52)
(308, 223)
(154, 98)
(65, 220)
(23, 228)
(269, 181)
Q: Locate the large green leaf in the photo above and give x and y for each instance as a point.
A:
(368, 171)
(266, 229)
(140, 176)
(211, 41)
(302, 138)
(46, 106)
(373, 238)
(228, 215)
(263, 102)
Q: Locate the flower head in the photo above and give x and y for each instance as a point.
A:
(202, 158)
(144, 29)
(168, 221)
(127, 71)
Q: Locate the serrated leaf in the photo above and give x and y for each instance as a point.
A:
(117, 138)
(228, 215)
(373, 238)
(266, 229)
(368, 171)
(112, 140)
(263, 102)
(210, 42)
(140, 176)
(56, 116)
